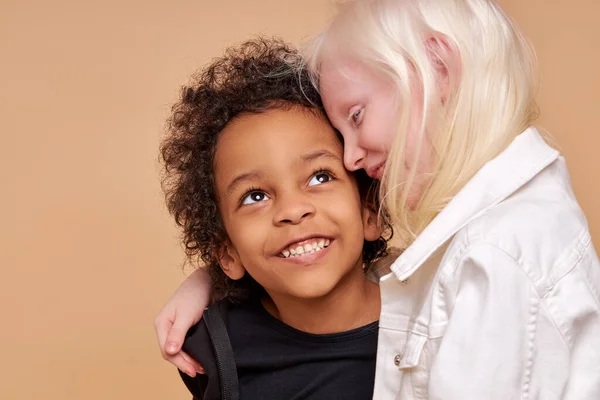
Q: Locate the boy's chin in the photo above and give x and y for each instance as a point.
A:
(311, 290)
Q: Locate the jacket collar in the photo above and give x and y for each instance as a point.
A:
(523, 159)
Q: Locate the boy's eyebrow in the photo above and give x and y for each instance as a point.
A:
(256, 175)
(253, 175)
(320, 154)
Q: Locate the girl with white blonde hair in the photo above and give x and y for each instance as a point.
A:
(497, 294)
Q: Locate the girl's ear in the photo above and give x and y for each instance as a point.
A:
(371, 227)
(445, 59)
(230, 262)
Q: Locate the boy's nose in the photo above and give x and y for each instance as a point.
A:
(294, 210)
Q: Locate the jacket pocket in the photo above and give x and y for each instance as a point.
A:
(412, 351)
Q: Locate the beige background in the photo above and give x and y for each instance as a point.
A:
(87, 253)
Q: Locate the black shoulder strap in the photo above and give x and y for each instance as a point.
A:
(215, 322)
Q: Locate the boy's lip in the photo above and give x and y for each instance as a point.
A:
(300, 240)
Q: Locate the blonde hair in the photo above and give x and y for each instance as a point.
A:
(491, 98)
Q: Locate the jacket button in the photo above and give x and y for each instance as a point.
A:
(406, 281)
(397, 359)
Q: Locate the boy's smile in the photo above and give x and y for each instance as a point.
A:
(305, 246)
(292, 212)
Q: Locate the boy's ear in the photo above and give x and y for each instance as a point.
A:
(371, 226)
(230, 262)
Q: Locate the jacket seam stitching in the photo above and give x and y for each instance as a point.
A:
(585, 273)
(453, 264)
(531, 335)
(556, 325)
(564, 331)
(579, 248)
(534, 308)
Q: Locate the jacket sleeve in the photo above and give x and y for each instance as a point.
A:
(486, 350)
(574, 304)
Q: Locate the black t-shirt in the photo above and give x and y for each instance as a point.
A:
(276, 361)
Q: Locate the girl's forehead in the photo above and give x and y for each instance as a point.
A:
(343, 69)
(343, 84)
(349, 78)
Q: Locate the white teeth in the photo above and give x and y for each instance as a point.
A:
(308, 248)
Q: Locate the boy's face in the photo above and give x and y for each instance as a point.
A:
(283, 189)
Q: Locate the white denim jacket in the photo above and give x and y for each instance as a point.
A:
(499, 297)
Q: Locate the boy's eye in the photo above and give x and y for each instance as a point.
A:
(254, 197)
(319, 178)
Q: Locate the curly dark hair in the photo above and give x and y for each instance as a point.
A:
(256, 76)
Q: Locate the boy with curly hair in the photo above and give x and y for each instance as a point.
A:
(254, 175)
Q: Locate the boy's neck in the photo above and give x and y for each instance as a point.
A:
(353, 303)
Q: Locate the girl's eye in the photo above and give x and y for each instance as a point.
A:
(356, 115)
(319, 178)
(254, 197)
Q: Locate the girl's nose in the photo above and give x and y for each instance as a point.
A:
(354, 157)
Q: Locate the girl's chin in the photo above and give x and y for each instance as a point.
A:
(416, 192)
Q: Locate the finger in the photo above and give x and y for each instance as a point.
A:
(182, 364)
(162, 328)
(197, 367)
(172, 346)
(176, 336)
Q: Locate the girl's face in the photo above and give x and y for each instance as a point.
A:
(363, 106)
